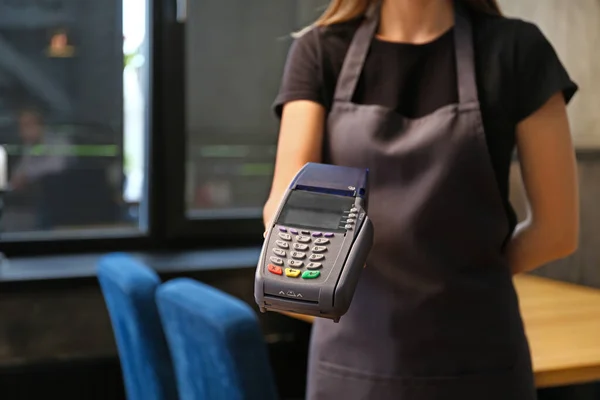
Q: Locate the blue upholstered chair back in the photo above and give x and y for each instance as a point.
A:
(129, 289)
(216, 343)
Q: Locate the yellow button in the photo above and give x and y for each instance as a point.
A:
(292, 273)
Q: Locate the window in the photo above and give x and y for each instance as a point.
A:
(147, 125)
(73, 97)
(235, 53)
(234, 60)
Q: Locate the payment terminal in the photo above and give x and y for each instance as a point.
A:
(317, 246)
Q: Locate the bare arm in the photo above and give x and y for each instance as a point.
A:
(300, 141)
(548, 166)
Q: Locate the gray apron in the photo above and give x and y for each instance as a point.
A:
(435, 314)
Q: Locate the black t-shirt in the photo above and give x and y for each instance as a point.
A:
(517, 72)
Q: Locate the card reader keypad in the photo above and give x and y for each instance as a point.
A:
(285, 236)
(292, 273)
(282, 244)
(275, 269)
(314, 265)
(276, 260)
(303, 239)
(279, 252)
(316, 257)
(300, 254)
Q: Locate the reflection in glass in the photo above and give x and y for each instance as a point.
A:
(236, 51)
(73, 93)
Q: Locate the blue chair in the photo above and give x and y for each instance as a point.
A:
(216, 343)
(129, 289)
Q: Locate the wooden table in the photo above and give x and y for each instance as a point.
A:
(563, 326)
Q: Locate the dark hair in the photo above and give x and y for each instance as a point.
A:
(345, 10)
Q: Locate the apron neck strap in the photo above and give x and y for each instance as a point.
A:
(465, 55)
(356, 55)
(361, 43)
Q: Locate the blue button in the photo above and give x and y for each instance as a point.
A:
(329, 234)
(317, 234)
(295, 232)
(282, 229)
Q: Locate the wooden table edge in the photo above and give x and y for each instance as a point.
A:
(576, 375)
(301, 317)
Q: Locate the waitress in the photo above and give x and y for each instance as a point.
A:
(433, 96)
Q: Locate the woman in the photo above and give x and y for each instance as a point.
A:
(432, 96)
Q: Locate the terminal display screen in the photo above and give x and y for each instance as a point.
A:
(315, 210)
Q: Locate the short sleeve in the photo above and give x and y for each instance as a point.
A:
(302, 76)
(539, 72)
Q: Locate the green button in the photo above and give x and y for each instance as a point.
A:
(310, 274)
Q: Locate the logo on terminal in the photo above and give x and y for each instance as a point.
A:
(291, 293)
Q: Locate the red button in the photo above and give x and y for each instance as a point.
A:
(275, 269)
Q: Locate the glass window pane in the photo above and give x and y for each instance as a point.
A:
(236, 50)
(73, 94)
